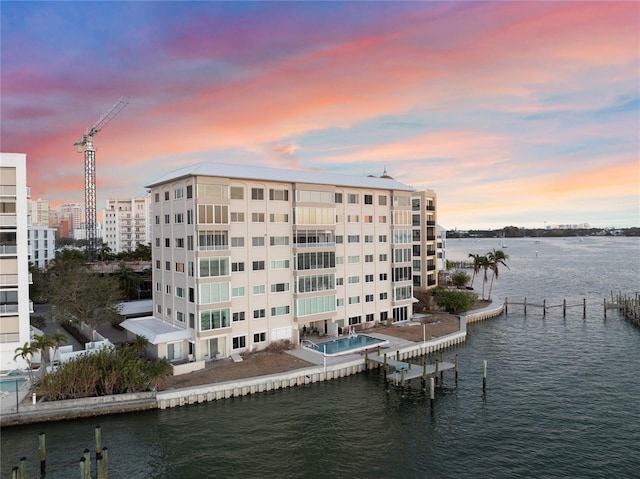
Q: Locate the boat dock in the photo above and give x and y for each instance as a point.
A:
(401, 372)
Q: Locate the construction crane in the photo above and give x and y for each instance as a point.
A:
(86, 145)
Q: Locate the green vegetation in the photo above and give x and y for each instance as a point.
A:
(78, 295)
(109, 371)
(460, 278)
(455, 301)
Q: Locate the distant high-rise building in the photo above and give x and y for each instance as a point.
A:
(14, 259)
(74, 211)
(126, 223)
(65, 227)
(39, 212)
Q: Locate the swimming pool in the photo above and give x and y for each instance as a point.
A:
(9, 384)
(347, 345)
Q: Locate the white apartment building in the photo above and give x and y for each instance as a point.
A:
(42, 243)
(126, 222)
(15, 306)
(244, 256)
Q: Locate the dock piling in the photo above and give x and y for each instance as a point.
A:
(43, 455)
(432, 393)
(484, 376)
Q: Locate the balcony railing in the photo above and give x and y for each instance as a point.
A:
(431, 267)
(9, 337)
(7, 279)
(9, 308)
(7, 190)
(8, 220)
(213, 247)
(315, 245)
(8, 249)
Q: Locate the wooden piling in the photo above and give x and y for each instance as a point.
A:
(432, 393)
(402, 378)
(456, 369)
(43, 454)
(506, 306)
(22, 468)
(83, 468)
(87, 464)
(584, 308)
(99, 472)
(484, 376)
(14, 472)
(105, 463)
(605, 308)
(564, 308)
(525, 306)
(544, 308)
(98, 432)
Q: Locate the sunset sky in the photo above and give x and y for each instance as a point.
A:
(515, 113)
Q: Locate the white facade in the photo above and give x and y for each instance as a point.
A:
(243, 256)
(126, 223)
(14, 259)
(42, 242)
(442, 248)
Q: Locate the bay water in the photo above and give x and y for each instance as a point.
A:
(562, 397)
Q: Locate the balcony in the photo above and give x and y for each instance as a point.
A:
(431, 267)
(326, 244)
(7, 190)
(431, 223)
(8, 220)
(8, 249)
(10, 279)
(9, 308)
(9, 337)
(431, 208)
(214, 247)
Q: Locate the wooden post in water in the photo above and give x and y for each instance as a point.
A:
(14, 472)
(484, 376)
(366, 360)
(525, 306)
(99, 471)
(435, 373)
(105, 463)
(544, 308)
(424, 367)
(83, 467)
(605, 308)
(432, 393)
(506, 306)
(43, 454)
(98, 432)
(584, 308)
(398, 355)
(87, 464)
(22, 469)
(456, 369)
(564, 308)
(402, 378)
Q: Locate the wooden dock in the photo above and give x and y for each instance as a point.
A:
(399, 372)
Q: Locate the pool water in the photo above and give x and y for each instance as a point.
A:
(9, 384)
(350, 344)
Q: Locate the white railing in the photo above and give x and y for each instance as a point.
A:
(216, 247)
(8, 308)
(8, 249)
(8, 220)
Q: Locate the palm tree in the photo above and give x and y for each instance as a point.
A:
(495, 259)
(26, 352)
(128, 281)
(58, 339)
(476, 265)
(483, 263)
(41, 343)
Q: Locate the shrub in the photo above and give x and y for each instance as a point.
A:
(460, 278)
(279, 346)
(455, 301)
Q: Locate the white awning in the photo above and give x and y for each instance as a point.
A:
(155, 330)
(415, 300)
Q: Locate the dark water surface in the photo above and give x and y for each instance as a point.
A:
(562, 400)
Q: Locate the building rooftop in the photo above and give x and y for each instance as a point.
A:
(155, 330)
(273, 174)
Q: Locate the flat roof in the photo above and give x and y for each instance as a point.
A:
(155, 330)
(135, 307)
(226, 170)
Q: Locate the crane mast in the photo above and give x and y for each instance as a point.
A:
(86, 145)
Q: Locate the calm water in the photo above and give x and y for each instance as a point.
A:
(562, 399)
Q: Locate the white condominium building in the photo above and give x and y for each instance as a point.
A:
(244, 256)
(73, 211)
(42, 243)
(14, 259)
(126, 222)
(39, 212)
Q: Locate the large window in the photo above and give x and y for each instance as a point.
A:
(315, 282)
(314, 216)
(315, 260)
(218, 192)
(279, 195)
(279, 287)
(308, 196)
(213, 214)
(213, 267)
(213, 293)
(214, 319)
(257, 193)
(239, 342)
(316, 305)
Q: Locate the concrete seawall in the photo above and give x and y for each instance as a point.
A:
(95, 406)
